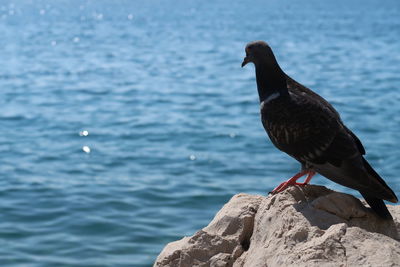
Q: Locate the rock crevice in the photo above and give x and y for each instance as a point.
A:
(302, 226)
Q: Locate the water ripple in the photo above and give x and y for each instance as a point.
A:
(172, 120)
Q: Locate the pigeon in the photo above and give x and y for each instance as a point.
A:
(304, 125)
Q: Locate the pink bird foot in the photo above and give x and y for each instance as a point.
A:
(292, 181)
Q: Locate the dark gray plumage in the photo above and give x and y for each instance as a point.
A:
(305, 126)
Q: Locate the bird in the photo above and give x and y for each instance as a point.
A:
(308, 128)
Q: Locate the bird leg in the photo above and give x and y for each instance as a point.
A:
(292, 181)
(308, 179)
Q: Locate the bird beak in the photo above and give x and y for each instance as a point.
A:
(245, 61)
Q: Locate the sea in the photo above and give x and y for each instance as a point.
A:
(125, 125)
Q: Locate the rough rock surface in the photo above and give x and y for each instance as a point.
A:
(302, 226)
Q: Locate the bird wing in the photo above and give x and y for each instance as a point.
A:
(303, 128)
(299, 89)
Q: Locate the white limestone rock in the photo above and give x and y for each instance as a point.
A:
(302, 226)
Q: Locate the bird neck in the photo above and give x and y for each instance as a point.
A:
(270, 80)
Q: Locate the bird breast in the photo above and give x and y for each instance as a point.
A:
(278, 122)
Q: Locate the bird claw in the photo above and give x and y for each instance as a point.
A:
(301, 184)
(282, 187)
(292, 181)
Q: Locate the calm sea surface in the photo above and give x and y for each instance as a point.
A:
(125, 125)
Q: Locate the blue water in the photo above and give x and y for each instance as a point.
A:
(127, 124)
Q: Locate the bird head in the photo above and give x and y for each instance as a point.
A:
(258, 52)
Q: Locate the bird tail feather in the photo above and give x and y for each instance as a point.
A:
(378, 206)
(389, 194)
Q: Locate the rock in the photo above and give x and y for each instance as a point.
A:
(302, 226)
